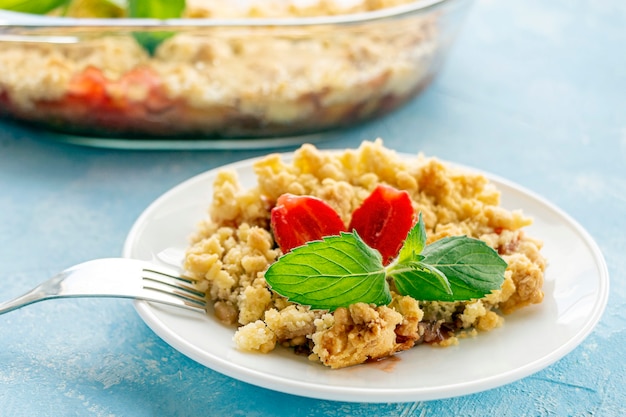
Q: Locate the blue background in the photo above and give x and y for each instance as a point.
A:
(533, 91)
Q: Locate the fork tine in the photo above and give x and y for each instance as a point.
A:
(170, 284)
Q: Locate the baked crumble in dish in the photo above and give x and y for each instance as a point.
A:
(226, 81)
(235, 245)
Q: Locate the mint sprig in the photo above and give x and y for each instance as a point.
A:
(152, 9)
(32, 6)
(338, 271)
(156, 9)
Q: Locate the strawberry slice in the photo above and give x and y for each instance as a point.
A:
(383, 220)
(296, 220)
(90, 87)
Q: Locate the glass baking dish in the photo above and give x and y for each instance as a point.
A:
(239, 79)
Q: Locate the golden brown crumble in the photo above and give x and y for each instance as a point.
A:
(233, 247)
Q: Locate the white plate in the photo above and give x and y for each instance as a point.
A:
(576, 292)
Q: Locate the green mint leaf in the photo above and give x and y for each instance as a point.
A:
(412, 276)
(154, 9)
(336, 271)
(413, 244)
(32, 6)
(421, 281)
(472, 268)
(150, 41)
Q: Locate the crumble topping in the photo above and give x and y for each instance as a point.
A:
(233, 247)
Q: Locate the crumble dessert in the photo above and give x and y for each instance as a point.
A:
(234, 246)
(241, 81)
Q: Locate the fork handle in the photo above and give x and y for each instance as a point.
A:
(50, 289)
(44, 291)
(32, 296)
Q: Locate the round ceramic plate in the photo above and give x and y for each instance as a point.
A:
(576, 292)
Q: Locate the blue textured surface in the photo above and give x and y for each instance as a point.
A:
(534, 91)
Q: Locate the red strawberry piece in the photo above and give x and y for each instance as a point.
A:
(383, 220)
(296, 220)
(89, 87)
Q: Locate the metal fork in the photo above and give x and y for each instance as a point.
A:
(116, 277)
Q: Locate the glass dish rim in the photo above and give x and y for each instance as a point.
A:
(9, 19)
